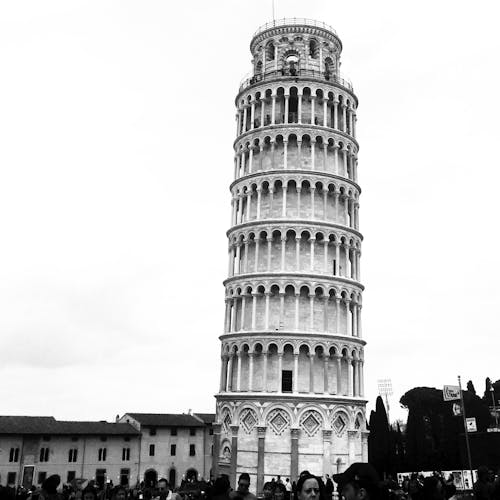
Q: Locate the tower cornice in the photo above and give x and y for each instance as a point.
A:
(287, 276)
(290, 223)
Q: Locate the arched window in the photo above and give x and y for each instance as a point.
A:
(313, 49)
(328, 67)
(270, 51)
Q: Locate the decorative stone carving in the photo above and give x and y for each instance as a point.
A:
(311, 422)
(248, 420)
(278, 420)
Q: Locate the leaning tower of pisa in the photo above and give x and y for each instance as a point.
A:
(291, 386)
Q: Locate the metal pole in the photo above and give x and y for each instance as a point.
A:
(492, 390)
(466, 432)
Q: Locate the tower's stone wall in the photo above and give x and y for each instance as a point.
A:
(291, 386)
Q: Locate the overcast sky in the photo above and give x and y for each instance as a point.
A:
(116, 130)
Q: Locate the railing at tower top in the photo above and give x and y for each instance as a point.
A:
(294, 21)
(262, 77)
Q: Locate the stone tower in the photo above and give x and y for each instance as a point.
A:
(291, 386)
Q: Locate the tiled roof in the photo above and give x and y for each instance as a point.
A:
(208, 418)
(167, 419)
(49, 425)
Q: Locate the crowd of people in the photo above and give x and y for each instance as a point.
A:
(359, 482)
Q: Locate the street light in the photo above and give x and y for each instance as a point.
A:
(492, 390)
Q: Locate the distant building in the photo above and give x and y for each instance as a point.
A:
(137, 447)
(32, 448)
(173, 446)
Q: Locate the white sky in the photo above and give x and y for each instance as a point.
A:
(116, 130)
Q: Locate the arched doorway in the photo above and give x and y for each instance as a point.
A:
(150, 478)
(172, 477)
(191, 475)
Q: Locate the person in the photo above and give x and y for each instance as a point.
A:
(432, 489)
(307, 487)
(289, 489)
(243, 486)
(220, 489)
(328, 487)
(360, 481)
(119, 493)
(49, 488)
(164, 492)
(89, 493)
(483, 488)
(279, 491)
(268, 491)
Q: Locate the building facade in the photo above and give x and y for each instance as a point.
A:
(33, 448)
(173, 446)
(137, 447)
(291, 385)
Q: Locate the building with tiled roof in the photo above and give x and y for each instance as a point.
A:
(174, 446)
(137, 447)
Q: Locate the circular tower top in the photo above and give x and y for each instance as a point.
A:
(295, 46)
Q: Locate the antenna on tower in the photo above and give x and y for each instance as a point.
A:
(274, 18)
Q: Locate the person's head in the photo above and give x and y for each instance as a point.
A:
(51, 483)
(307, 487)
(360, 481)
(221, 485)
(163, 488)
(268, 490)
(431, 488)
(120, 493)
(89, 493)
(279, 491)
(244, 482)
(482, 473)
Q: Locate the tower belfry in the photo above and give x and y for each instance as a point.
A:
(291, 387)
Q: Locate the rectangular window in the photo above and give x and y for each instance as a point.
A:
(192, 450)
(211, 431)
(173, 449)
(192, 431)
(44, 455)
(11, 478)
(124, 477)
(334, 267)
(173, 431)
(286, 381)
(73, 455)
(126, 454)
(100, 477)
(151, 450)
(71, 475)
(101, 455)
(14, 455)
(152, 431)
(42, 476)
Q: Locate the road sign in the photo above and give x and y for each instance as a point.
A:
(457, 410)
(451, 392)
(471, 424)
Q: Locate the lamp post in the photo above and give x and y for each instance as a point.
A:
(492, 390)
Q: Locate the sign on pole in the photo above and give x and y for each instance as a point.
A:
(451, 392)
(471, 424)
(457, 410)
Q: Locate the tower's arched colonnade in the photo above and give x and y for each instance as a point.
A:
(292, 354)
